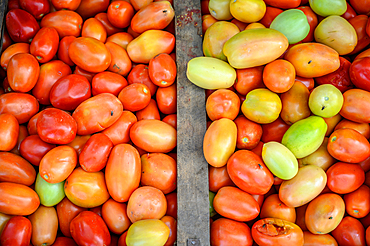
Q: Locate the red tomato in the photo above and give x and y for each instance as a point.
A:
(33, 149)
(348, 145)
(23, 106)
(345, 177)
(66, 211)
(115, 216)
(31, 126)
(17, 199)
(249, 133)
(358, 202)
(233, 203)
(11, 51)
(172, 224)
(122, 239)
(171, 119)
(121, 63)
(89, 8)
(229, 232)
(56, 126)
(284, 4)
(350, 12)
(300, 217)
(22, 72)
(248, 171)
(140, 74)
(9, 130)
(23, 133)
(66, 22)
(121, 38)
(15, 169)
(350, 231)
(361, 6)
(88, 75)
(120, 13)
(308, 82)
(312, 21)
(172, 204)
(218, 178)
(62, 241)
(63, 49)
(270, 15)
(78, 143)
(146, 202)
(44, 225)
(21, 25)
(223, 103)
(17, 231)
(69, 92)
(274, 131)
(86, 189)
(273, 207)
(123, 172)
(149, 112)
(89, 229)
(359, 23)
(162, 70)
(93, 28)
(108, 82)
(160, 171)
(277, 232)
(359, 73)
(44, 45)
(66, 4)
(279, 75)
(94, 155)
(355, 105)
(6, 40)
(37, 8)
(110, 29)
(119, 132)
(135, 97)
(166, 98)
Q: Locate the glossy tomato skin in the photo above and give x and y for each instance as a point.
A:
(88, 228)
(172, 224)
(362, 128)
(9, 130)
(162, 70)
(89, 8)
(172, 204)
(66, 212)
(273, 207)
(110, 29)
(119, 132)
(23, 133)
(121, 38)
(115, 216)
(135, 97)
(121, 62)
(229, 232)
(69, 92)
(350, 231)
(56, 126)
(218, 178)
(66, 4)
(274, 131)
(23, 106)
(271, 13)
(16, 48)
(358, 202)
(249, 133)
(312, 21)
(37, 8)
(63, 49)
(319, 239)
(18, 199)
(21, 25)
(49, 74)
(15, 169)
(140, 74)
(123, 172)
(222, 103)
(355, 105)
(359, 73)
(62, 241)
(66, 22)
(345, 177)
(166, 98)
(44, 225)
(108, 82)
(44, 45)
(359, 23)
(17, 231)
(271, 231)
(33, 149)
(149, 112)
(248, 79)
(120, 13)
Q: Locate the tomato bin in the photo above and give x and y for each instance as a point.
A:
(200, 122)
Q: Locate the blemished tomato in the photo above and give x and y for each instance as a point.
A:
(86, 189)
(63, 49)
(345, 177)
(110, 29)
(21, 25)
(135, 97)
(119, 132)
(166, 98)
(355, 105)
(146, 202)
(149, 112)
(279, 76)
(160, 171)
(66, 212)
(18, 199)
(23, 106)
(120, 13)
(218, 178)
(277, 232)
(15, 169)
(45, 44)
(17, 231)
(12, 50)
(88, 228)
(273, 207)
(236, 204)
(223, 103)
(123, 172)
(319, 239)
(115, 216)
(44, 225)
(248, 171)
(66, 22)
(350, 231)
(22, 72)
(93, 28)
(249, 133)
(9, 130)
(229, 232)
(358, 202)
(121, 62)
(324, 213)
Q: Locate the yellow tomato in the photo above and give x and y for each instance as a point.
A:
(151, 232)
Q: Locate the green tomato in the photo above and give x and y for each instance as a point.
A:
(325, 101)
(212, 211)
(279, 160)
(328, 7)
(50, 194)
(305, 136)
(293, 24)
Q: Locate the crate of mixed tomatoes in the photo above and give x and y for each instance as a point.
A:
(242, 122)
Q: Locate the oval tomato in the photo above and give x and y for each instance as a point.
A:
(248, 79)
(140, 74)
(44, 226)
(223, 103)
(9, 131)
(63, 49)
(15, 169)
(358, 202)
(108, 82)
(362, 128)
(37, 8)
(152, 232)
(149, 112)
(93, 28)
(89, 8)
(33, 149)
(345, 177)
(121, 62)
(166, 98)
(218, 178)
(120, 13)
(350, 231)
(273, 207)
(249, 133)
(66, 22)
(21, 25)
(355, 105)
(66, 211)
(12, 50)
(119, 132)
(23, 106)
(319, 239)
(162, 70)
(110, 29)
(44, 45)
(17, 231)
(115, 216)
(134, 97)
(229, 232)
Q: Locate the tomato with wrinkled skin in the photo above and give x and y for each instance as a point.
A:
(109, 28)
(345, 177)
(350, 231)
(89, 8)
(18, 199)
(229, 232)
(63, 49)
(234, 203)
(56, 126)
(146, 202)
(9, 130)
(22, 72)
(86, 189)
(149, 112)
(272, 231)
(121, 38)
(44, 45)
(123, 172)
(348, 145)
(248, 133)
(44, 226)
(108, 82)
(119, 132)
(355, 105)
(12, 50)
(319, 239)
(89, 229)
(49, 74)
(120, 13)
(23, 106)
(248, 171)
(358, 202)
(69, 92)
(93, 28)
(115, 216)
(218, 178)
(97, 113)
(273, 207)
(17, 231)
(66, 211)
(15, 169)
(66, 22)
(166, 98)
(21, 25)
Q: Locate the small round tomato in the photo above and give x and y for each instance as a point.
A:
(135, 97)
(277, 232)
(345, 177)
(115, 216)
(121, 62)
(23, 106)
(66, 22)
(17, 231)
(350, 231)
(93, 28)
(120, 13)
(44, 45)
(273, 207)
(229, 232)
(162, 70)
(279, 76)
(21, 25)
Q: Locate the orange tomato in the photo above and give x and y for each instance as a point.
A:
(149, 112)
(358, 202)
(345, 177)
(108, 82)
(350, 231)
(120, 63)
(15, 169)
(273, 207)
(279, 76)
(120, 13)
(110, 29)
(12, 50)
(93, 28)
(23, 106)
(223, 103)
(248, 79)
(121, 38)
(66, 211)
(319, 239)
(166, 98)
(218, 178)
(119, 132)
(66, 4)
(162, 70)
(249, 133)
(66, 22)
(44, 225)
(135, 97)
(89, 8)
(115, 216)
(229, 232)
(9, 130)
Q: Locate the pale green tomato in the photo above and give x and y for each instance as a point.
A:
(153, 232)
(212, 211)
(328, 7)
(220, 9)
(293, 24)
(50, 194)
(210, 73)
(325, 100)
(279, 160)
(305, 136)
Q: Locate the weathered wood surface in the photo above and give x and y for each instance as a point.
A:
(3, 8)
(192, 176)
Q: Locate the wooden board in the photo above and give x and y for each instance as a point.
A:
(192, 169)
(3, 8)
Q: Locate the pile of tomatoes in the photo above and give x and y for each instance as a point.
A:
(288, 97)
(88, 123)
